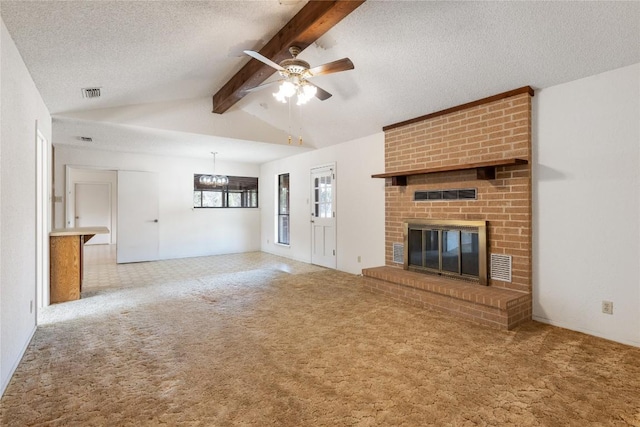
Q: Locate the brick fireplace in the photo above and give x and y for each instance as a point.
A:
(466, 163)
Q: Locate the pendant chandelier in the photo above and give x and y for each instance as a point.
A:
(214, 180)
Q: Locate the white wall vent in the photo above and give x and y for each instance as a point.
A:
(501, 267)
(398, 253)
(91, 92)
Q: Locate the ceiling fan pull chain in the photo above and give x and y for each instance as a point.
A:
(289, 106)
(300, 112)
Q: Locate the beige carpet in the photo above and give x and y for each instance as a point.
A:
(286, 344)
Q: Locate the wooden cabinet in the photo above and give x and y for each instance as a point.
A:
(66, 248)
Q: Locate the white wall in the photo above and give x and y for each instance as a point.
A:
(359, 204)
(21, 106)
(586, 201)
(184, 231)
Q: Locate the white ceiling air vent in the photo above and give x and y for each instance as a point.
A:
(398, 253)
(91, 92)
(501, 267)
(85, 138)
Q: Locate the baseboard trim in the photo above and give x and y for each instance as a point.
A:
(563, 325)
(5, 382)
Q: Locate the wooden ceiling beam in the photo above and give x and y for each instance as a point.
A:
(309, 24)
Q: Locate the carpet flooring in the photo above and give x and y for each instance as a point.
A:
(258, 340)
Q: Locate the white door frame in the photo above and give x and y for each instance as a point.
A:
(333, 263)
(43, 219)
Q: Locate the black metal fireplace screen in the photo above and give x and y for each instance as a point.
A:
(450, 248)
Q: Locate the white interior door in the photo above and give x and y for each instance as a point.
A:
(93, 209)
(323, 217)
(138, 226)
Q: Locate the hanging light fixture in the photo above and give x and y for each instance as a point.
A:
(214, 180)
(295, 73)
(294, 85)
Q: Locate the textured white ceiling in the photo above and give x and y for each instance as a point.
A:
(411, 57)
(137, 139)
(137, 51)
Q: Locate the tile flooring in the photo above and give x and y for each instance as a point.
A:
(102, 271)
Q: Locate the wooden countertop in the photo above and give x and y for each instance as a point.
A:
(79, 231)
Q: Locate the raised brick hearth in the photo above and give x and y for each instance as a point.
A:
(451, 143)
(491, 306)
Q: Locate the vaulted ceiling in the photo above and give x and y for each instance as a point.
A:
(159, 63)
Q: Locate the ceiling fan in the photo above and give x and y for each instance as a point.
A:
(295, 74)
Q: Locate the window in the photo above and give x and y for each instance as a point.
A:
(322, 200)
(283, 209)
(241, 192)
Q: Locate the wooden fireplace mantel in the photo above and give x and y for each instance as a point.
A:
(484, 170)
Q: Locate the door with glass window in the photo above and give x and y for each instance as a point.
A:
(323, 216)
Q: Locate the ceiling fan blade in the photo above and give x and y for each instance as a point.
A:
(343, 64)
(321, 94)
(263, 86)
(263, 59)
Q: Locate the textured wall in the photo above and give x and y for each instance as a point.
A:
(359, 203)
(22, 107)
(587, 204)
(183, 230)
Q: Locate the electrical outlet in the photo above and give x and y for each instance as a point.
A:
(267, 241)
(607, 307)
(359, 258)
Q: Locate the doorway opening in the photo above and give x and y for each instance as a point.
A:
(92, 201)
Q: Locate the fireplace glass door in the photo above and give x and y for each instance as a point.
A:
(444, 251)
(469, 250)
(450, 251)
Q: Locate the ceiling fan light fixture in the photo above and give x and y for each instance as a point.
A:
(305, 92)
(309, 90)
(300, 87)
(280, 97)
(286, 90)
(302, 99)
(295, 73)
